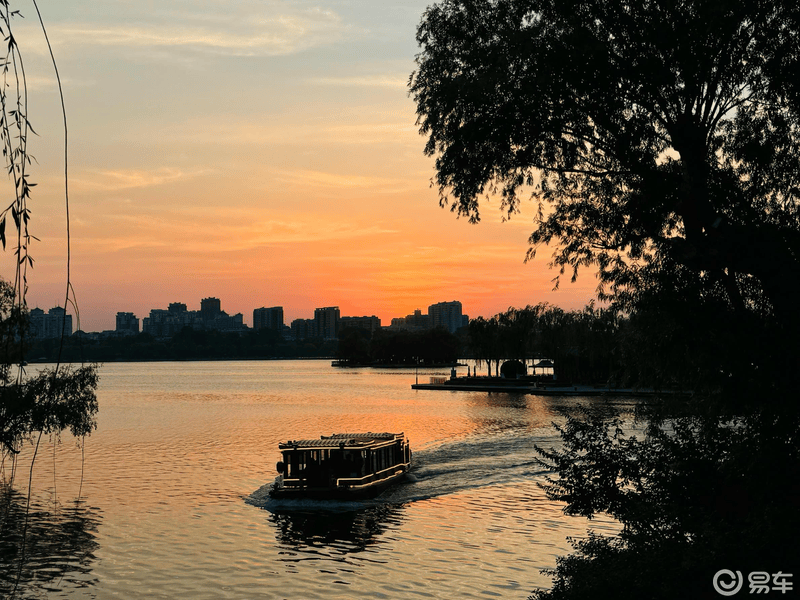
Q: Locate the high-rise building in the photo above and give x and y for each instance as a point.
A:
(303, 329)
(371, 324)
(415, 322)
(326, 322)
(176, 307)
(446, 314)
(166, 323)
(50, 325)
(210, 308)
(127, 323)
(418, 321)
(268, 318)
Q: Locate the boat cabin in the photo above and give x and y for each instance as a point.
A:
(341, 465)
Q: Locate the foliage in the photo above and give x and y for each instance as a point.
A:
(54, 399)
(694, 494)
(354, 346)
(585, 345)
(659, 139)
(50, 402)
(187, 344)
(434, 346)
(14, 131)
(661, 142)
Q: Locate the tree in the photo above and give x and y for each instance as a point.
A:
(483, 336)
(57, 398)
(659, 138)
(661, 141)
(353, 346)
(692, 494)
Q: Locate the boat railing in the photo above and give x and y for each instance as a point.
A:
(359, 481)
(353, 481)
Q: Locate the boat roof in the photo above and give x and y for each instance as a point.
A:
(336, 440)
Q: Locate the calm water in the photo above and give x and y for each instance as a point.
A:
(173, 498)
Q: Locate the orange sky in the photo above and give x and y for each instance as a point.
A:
(265, 153)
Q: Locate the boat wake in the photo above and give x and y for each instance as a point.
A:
(332, 529)
(449, 468)
(466, 465)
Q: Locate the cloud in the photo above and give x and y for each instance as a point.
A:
(394, 82)
(193, 230)
(122, 179)
(320, 179)
(292, 131)
(276, 35)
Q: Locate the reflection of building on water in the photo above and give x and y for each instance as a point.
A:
(59, 545)
(347, 531)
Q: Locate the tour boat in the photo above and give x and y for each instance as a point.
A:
(341, 466)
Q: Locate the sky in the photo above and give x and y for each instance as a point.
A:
(262, 152)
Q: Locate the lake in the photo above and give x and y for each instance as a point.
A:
(173, 484)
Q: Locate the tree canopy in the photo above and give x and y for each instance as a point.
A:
(660, 139)
(661, 142)
(586, 345)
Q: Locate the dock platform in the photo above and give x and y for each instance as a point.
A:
(510, 386)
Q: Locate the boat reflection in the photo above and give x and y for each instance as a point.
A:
(329, 528)
(54, 552)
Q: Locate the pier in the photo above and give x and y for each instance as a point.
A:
(527, 386)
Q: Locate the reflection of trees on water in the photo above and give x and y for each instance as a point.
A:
(601, 406)
(59, 546)
(497, 412)
(344, 532)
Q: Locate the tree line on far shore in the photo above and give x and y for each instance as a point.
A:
(586, 345)
(187, 344)
(591, 345)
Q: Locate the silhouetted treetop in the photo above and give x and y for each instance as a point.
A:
(662, 141)
(655, 135)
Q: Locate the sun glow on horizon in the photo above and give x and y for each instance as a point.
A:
(266, 160)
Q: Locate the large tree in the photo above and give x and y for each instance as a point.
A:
(659, 137)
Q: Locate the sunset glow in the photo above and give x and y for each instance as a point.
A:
(264, 153)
